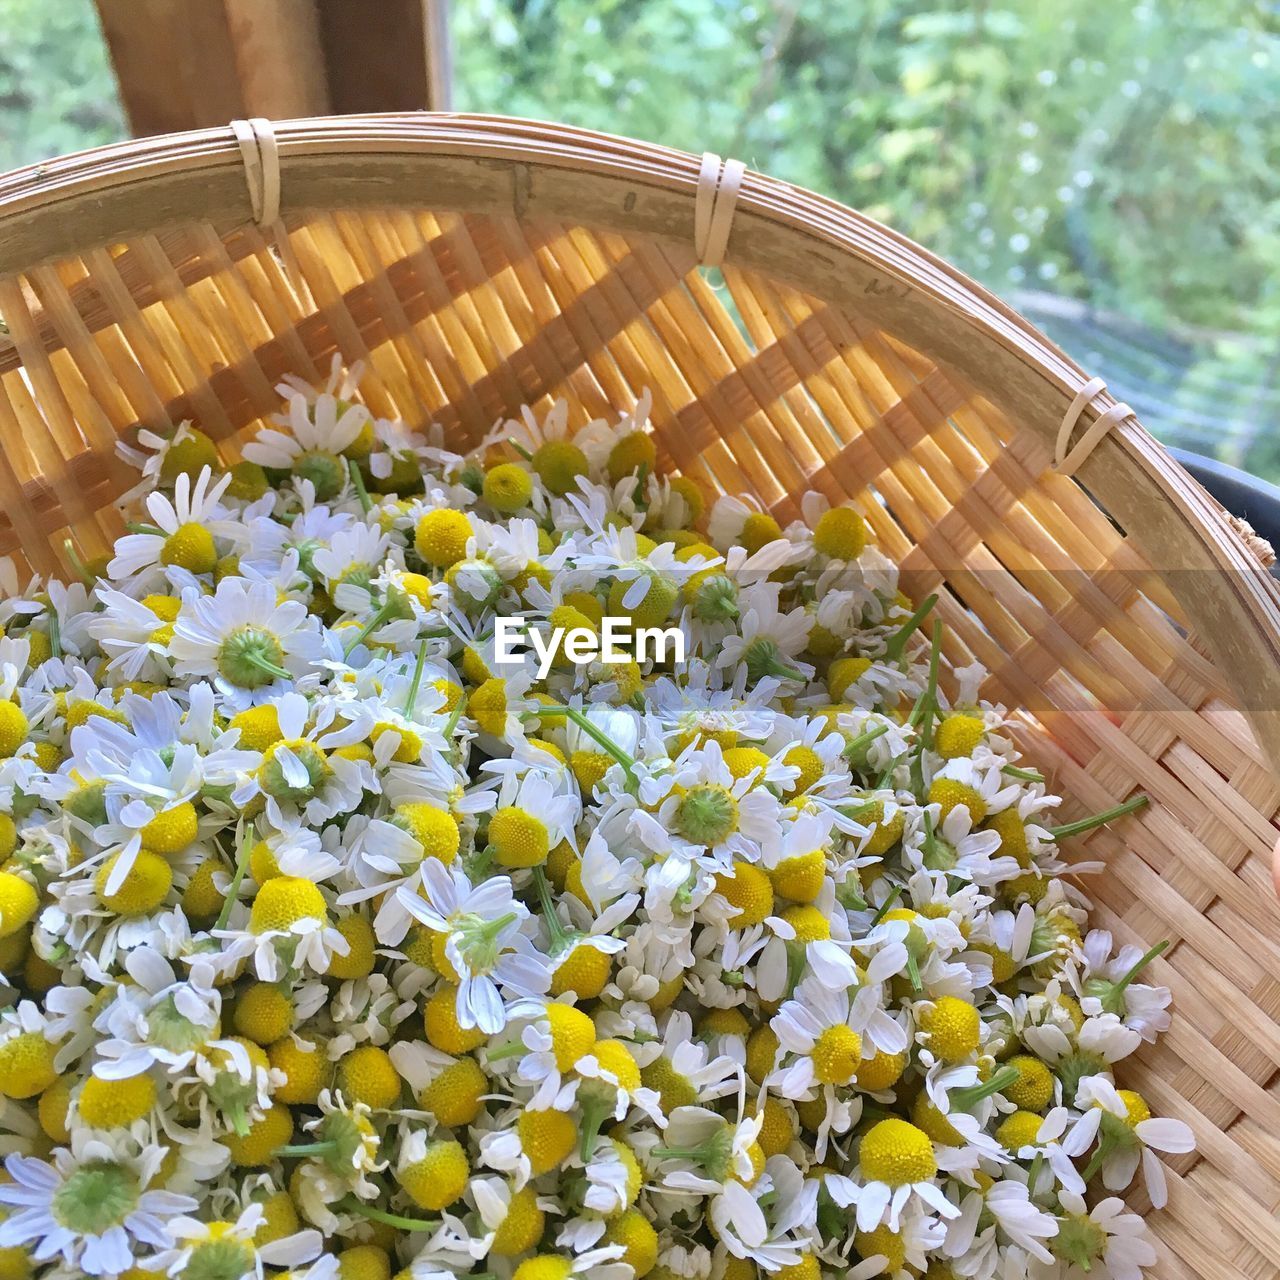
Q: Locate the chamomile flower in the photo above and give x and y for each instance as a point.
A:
(93, 1205)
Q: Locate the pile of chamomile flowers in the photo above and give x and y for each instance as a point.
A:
(338, 946)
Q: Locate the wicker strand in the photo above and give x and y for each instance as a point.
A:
(718, 185)
(1067, 460)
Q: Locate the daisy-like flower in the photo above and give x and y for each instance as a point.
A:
(228, 1248)
(92, 1206)
(1105, 1235)
(481, 940)
(1106, 984)
(1127, 1137)
(184, 533)
(319, 431)
(245, 641)
(896, 1164)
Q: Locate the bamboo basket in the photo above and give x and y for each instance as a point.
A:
(478, 263)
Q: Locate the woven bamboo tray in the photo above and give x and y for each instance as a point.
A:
(479, 263)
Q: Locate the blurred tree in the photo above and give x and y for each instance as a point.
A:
(57, 93)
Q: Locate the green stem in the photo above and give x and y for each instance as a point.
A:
(776, 668)
(965, 1099)
(931, 688)
(79, 565)
(1158, 950)
(519, 448)
(595, 733)
(1099, 819)
(513, 1049)
(863, 740)
(1023, 775)
(357, 483)
(897, 643)
(233, 889)
(384, 611)
(307, 1148)
(55, 633)
(883, 780)
(558, 935)
(416, 683)
(593, 1117)
(913, 972)
(135, 526)
(265, 664)
(887, 905)
(351, 1205)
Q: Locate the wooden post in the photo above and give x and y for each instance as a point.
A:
(190, 64)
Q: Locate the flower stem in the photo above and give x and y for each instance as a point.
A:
(776, 668)
(887, 905)
(519, 448)
(135, 526)
(512, 1049)
(357, 483)
(351, 1205)
(55, 633)
(1023, 775)
(265, 664)
(233, 889)
(78, 565)
(855, 746)
(897, 643)
(593, 1117)
(595, 733)
(412, 696)
(383, 612)
(1158, 950)
(554, 926)
(1099, 819)
(307, 1148)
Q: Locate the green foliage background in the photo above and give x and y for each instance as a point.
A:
(1123, 156)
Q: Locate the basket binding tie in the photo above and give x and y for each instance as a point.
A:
(719, 182)
(1067, 460)
(260, 152)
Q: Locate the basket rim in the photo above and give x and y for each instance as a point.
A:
(537, 169)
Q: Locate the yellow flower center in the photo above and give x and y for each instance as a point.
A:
(143, 889)
(1033, 1089)
(949, 794)
(441, 537)
(171, 830)
(954, 1028)
(507, 487)
(632, 452)
(522, 1227)
(758, 530)
(26, 1065)
(958, 736)
(573, 1034)
(801, 878)
(284, 901)
(546, 1138)
(115, 1104)
(840, 533)
(749, 891)
(809, 762)
(434, 829)
(454, 1096)
(559, 464)
(439, 1178)
(190, 547)
(368, 1075)
(809, 923)
(836, 1054)
(518, 838)
(487, 706)
(895, 1152)
(18, 902)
